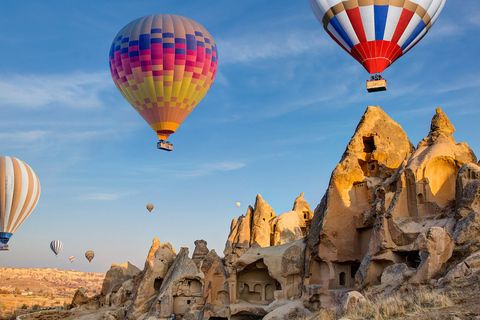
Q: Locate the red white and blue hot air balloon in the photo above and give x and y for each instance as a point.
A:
(377, 32)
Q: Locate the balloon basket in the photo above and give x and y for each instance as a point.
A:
(376, 85)
(4, 247)
(164, 145)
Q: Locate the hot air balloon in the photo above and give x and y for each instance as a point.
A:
(19, 193)
(163, 65)
(72, 258)
(376, 32)
(56, 246)
(89, 255)
(238, 204)
(149, 207)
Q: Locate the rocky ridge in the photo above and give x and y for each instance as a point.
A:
(393, 216)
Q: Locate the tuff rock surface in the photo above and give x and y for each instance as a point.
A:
(392, 216)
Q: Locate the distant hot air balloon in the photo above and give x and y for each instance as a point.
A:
(89, 255)
(72, 258)
(238, 204)
(149, 207)
(56, 246)
(19, 193)
(163, 65)
(377, 32)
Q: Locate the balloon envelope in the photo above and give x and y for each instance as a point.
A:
(238, 204)
(56, 246)
(377, 32)
(89, 255)
(149, 207)
(72, 258)
(163, 65)
(19, 194)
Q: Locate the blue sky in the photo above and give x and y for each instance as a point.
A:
(276, 120)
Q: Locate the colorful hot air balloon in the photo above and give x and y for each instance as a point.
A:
(89, 255)
(56, 246)
(163, 65)
(149, 207)
(238, 204)
(19, 193)
(376, 32)
(72, 258)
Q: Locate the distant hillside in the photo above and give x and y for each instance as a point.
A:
(52, 281)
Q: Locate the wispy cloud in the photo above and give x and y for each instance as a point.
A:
(209, 168)
(106, 196)
(79, 90)
(259, 46)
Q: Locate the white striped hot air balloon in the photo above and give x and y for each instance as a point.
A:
(19, 194)
(56, 246)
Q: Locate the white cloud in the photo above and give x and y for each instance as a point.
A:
(79, 90)
(209, 168)
(104, 196)
(255, 46)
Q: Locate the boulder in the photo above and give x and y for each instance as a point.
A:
(79, 298)
(350, 300)
(436, 247)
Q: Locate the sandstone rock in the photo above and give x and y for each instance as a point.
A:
(239, 238)
(123, 294)
(287, 228)
(375, 151)
(350, 300)
(118, 275)
(267, 274)
(200, 252)
(289, 311)
(79, 298)
(159, 259)
(465, 268)
(182, 288)
(261, 229)
(394, 274)
(216, 291)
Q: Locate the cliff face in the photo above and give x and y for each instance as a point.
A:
(392, 215)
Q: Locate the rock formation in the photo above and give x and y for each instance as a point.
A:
(160, 258)
(263, 227)
(114, 279)
(392, 215)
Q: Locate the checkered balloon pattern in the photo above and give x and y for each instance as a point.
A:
(163, 65)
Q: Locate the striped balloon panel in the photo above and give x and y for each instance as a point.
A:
(163, 65)
(377, 32)
(56, 246)
(89, 255)
(19, 193)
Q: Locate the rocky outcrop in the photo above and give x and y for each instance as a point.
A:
(467, 229)
(263, 227)
(159, 259)
(181, 290)
(267, 274)
(115, 277)
(79, 298)
(200, 252)
(392, 216)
